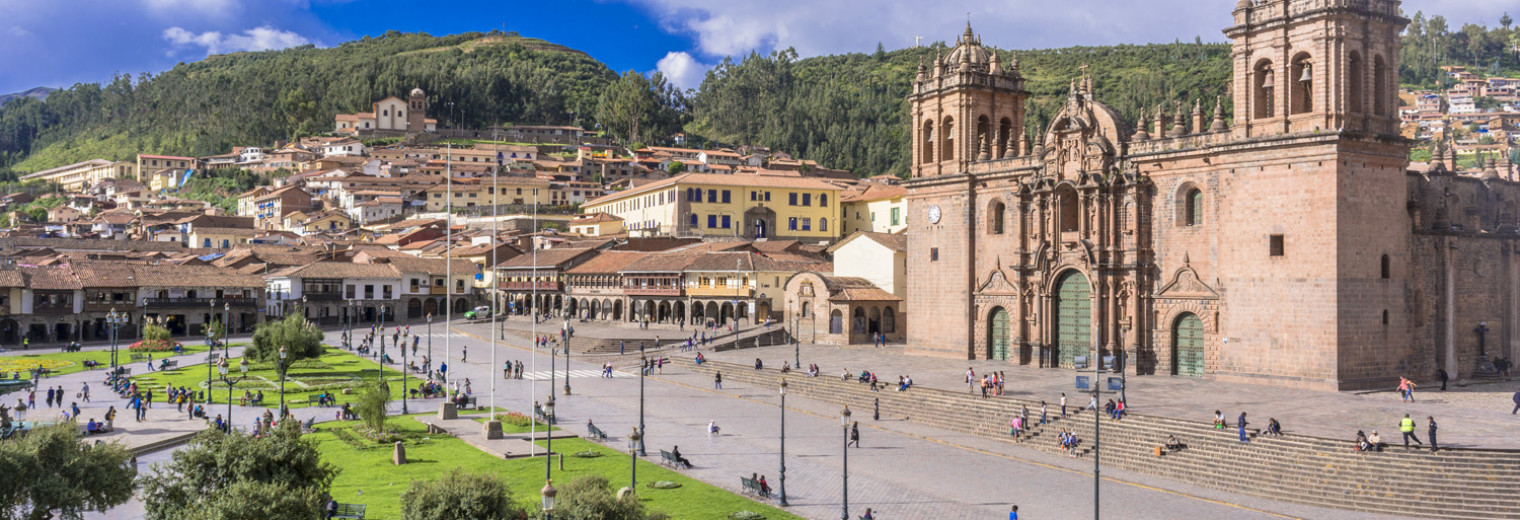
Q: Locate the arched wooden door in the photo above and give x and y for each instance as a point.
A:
(1187, 346)
(1073, 326)
(997, 335)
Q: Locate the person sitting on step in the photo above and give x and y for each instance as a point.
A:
(1172, 444)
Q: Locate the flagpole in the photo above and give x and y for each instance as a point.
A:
(495, 191)
(533, 323)
(448, 304)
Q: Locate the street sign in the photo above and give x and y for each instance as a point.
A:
(1082, 383)
(1115, 384)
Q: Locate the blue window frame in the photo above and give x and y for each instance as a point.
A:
(712, 195)
(693, 220)
(791, 223)
(791, 199)
(823, 200)
(725, 198)
(726, 223)
(712, 221)
(807, 199)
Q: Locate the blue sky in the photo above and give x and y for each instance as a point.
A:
(59, 42)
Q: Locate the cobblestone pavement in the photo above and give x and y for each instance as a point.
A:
(904, 470)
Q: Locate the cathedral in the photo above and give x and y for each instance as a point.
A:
(1289, 242)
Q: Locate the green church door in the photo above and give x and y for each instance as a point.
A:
(1187, 346)
(1073, 317)
(997, 332)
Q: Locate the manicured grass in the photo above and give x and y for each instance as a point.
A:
(338, 369)
(71, 362)
(431, 456)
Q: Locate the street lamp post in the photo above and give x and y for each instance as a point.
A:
(844, 419)
(782, 501)
(643, 362)
(548, 493)
(380, 333)
(548, 433)
(633, 458)
(283, 410)
(402, 346)
(115, 320)
(430, 344)
(566, 332)
(226, 328)
(243, 367)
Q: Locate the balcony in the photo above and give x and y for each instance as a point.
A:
(719, 291)
(108, 305)
(50, 309)
(236, 302)
(528, 286)
(321, 297)
(635, 290)
(438, 290)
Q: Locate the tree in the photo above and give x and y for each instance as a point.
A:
(49, 470)
(1505, 21)
(460, 496)
(676, 167)
(233, 477)
(591, 498)
(371, 406)
(300, 338)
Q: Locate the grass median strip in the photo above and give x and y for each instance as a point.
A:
(333, 372)
(63, 363)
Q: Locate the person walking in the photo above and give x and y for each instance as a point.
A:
(1406, 388)
(1044, 414)
(718, 381)
(1242, 426)
(1406, 425)
(84, 392)
(854, 435)
(1443, 376)
(1063, 410)
(1517, 403)
(970, 380)
(50, 398)
(1432, 432)
(876, 410)
(464, 356)
(1013, 514)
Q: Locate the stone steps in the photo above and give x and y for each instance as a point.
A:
(1292, 468)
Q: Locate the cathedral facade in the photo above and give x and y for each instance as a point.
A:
(1288, 243)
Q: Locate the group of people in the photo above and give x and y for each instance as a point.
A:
(1374, 442)
(990, 383)
(512, 370)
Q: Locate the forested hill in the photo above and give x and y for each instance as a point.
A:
(246, 98)
(850, 111)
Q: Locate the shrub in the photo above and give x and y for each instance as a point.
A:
(371, 407)
(460, 496)
(300, 338)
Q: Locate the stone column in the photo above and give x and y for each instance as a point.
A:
(1452, 370)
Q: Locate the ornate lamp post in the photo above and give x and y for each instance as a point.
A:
(243, 367)
(283, 410)
(634, 442)
(402, 346)
(548, 493)
(115, 320)
(844, 420)
(644, 362)
(782, 501)
(430, 344)
(548, 433)
(380, 333)
(566, 333)
(226, 328)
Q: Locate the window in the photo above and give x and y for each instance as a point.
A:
(791, 199)
(726, 223)
(712, 196)
(934, 254)
(1385, 316)
(753, 196)
(369, 292)
(1386, 273)
(896, 216)
(1193, 211)
(807, 224)
(458, 286)
(349, 293)
(823, 224)
(1264, 81)
(386, 291)
(1069, 214)
(791, 223)
(807, 199)
(1276, 245)
(725, 198)
(712, 221)
(823, 200)
(767, 196)
(995, 218)
(693, 220)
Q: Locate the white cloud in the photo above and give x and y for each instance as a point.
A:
(18, 31)
(682, 70)
(257, 39)
(215, 8)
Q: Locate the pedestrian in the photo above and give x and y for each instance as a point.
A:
(1406, 425)
(1432, 432)
(718, 381)
(31, 398)
(854, 435)
(50, 398)
(506, 370)
(464, 356)
(1044, 418)
(970, 380)
(876, 410)
(75, 407)
(84, 392)
(621, 347)
(1406, 388)
(1013, 514)
(1443, 376)
(1063, 414)
(1242, 426)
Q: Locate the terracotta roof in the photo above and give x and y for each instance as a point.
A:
(52, 278)
(105, 274)
(12, 278)
(876, 192)
(894, 241)
(546, 258)
(595, 218)
(849, 288)
(432, 266)
(342, 270)
(608, 262)
(752, 181)
(193, 276)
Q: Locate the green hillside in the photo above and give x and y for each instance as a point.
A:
(207, 106)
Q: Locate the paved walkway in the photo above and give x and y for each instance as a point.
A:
(904, 470)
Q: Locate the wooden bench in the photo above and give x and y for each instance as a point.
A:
(597, 432)
(73, 347)
(168, 364)
(136, 357)
(466, 403)
(666, 459)
(355, 511)
(752, 486)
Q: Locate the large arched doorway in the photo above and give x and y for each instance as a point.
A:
(461, 305)
(836, 322)
(430, 306)
(997, 335)
(1073, 325)
(617, 310)
(1187, 346)
(414, 308)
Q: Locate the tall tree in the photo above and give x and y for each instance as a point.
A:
(203, 479)
(50, 471)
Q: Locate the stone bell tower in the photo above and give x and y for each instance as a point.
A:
(416, 112)
(966, 106)
(1316, 65)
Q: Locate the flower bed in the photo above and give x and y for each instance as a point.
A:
(23, 365)
(153, 345)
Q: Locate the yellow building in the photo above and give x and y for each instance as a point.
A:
(478, 191)
(741, 205)
(78, 176)
(877, 209)
(596, 225)
(151, 164)
(221, 238)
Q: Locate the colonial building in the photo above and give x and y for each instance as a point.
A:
(1292, 247)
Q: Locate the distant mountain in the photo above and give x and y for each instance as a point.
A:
(39, 93)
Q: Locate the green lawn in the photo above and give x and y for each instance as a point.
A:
(369, 478)
(71, 362)
(335, 370)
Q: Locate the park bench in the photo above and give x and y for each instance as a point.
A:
(669, 460)
(467, 403)
(752, 486)
(1079, 362)
(355, 511)
(168, 364)
(73, 347)
(136, 357)
(597, 432)
(310, 425)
